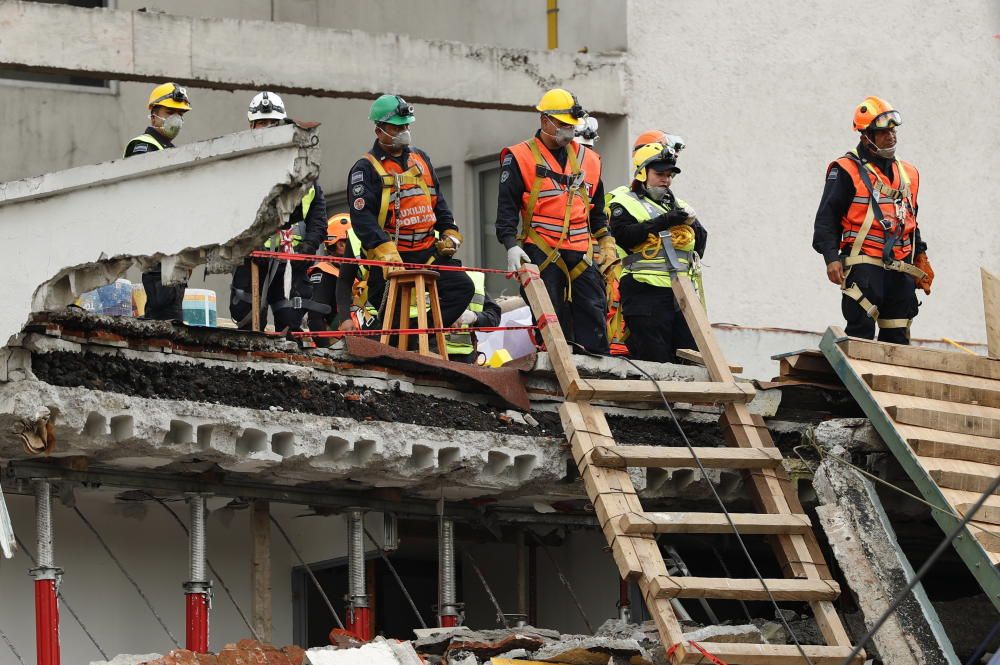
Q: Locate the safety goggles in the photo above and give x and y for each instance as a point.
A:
(266, 106)
(177, 94)
(666, 157)
(403, 109)
(886, 120)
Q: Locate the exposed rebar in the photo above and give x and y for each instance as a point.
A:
(399, 580)
(197, 539)
(309, 572)
(43, 524)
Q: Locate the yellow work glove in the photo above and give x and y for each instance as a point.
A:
(386, 252)
(449, 243)
(922, 262)
(608, 252)
(681, 235)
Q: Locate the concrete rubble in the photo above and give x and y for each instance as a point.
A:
(875, 568)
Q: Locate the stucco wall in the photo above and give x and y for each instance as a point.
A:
(764, 94)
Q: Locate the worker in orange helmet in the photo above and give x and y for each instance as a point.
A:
(866, 230)
(324, 275)
(672, 141)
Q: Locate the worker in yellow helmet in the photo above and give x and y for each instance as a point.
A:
(663, 236)
(551, 183)
(866, 230)
(166, 106)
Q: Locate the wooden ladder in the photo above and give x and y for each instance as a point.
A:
(631, 531)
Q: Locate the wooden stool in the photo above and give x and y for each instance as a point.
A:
(408, 287)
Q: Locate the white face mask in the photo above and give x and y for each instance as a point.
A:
(170, 126)
(563, 135)
(657, 193)
(400, 140)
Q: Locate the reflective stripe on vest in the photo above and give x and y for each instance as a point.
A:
(461, 343)
(411, 196)
(556, 202)
(650, 263)
(144, 138)
(286, 240)
(896, 198)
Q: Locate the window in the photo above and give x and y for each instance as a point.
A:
(40, 79)
(492, 253)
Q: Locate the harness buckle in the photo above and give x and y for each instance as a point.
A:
(297, 302)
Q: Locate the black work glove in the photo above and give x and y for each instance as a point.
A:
(305, 248)
(663, 222)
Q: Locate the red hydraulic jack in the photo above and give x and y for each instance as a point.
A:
(449, 610)
(624, 604)
(47, 578)
(359, 616)
(197, 590)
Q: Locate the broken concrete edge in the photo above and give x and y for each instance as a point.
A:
(876, 570)
(475, 76)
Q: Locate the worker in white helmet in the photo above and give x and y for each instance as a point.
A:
(287, 291)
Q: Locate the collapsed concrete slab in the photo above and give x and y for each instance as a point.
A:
(875, 569)
(171, 207)
(290, 57)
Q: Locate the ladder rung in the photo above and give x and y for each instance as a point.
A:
(743, 589)
(767, 654)
(635, 524)
(694, 392)
(619, 457)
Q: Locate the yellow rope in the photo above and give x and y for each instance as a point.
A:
(957, 345)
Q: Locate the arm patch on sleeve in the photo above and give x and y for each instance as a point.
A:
(832, 175)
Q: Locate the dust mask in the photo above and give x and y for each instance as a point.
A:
(171, 126)
(400, 140)
(563, 135)
(657, 193)
(884, 153)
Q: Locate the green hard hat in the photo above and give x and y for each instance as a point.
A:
(392, 109)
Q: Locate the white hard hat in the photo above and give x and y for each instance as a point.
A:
(266, 106)
(586, 130)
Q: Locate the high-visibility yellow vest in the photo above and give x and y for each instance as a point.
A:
(461, 343)
(647, 261)
(273, 244)
(144, 138)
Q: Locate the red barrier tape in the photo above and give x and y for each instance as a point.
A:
(368, 262)
(400, 331)
(705, 655)
(546, 319)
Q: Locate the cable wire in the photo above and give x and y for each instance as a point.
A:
(729, 518)
(399, 580)
(124, 572)
(69, 609)
(938, 551)
(215, 572)
(309, 572)
(10, 645)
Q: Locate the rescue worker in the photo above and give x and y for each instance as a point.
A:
(397, 208)
(286, 289)
(866, 229)
(483, 312)
(661, 234)
(551, 183)
(323, 275)
(167, 105)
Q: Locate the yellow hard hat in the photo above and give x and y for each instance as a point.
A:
(171, 96)
(654, 154)
(561, 105)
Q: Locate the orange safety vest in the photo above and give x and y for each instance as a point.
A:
(556, 204)
(897, 199)
(406, 210)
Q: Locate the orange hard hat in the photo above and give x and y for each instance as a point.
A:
(337, 227)
(652, 136)
(875, 113)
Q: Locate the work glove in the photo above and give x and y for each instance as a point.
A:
(515, 257)
(608, 252)
(305, 248)
(386, 252)
(468, 318)
(449, 243)
(663, 222)
(922, 262)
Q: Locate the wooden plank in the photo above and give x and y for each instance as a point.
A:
(991, 307)
(746, 523)
(956, 362)
(260, 567)
(934, 443)
(765, 654)
(936, 390)
(811, 362)
(255, 295)
(552, 334)
(723, 588)
(695, 357)
(694, 392)
(960, 475)
(662, 457)
(947, 421)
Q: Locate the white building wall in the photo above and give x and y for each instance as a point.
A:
(764, 93)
